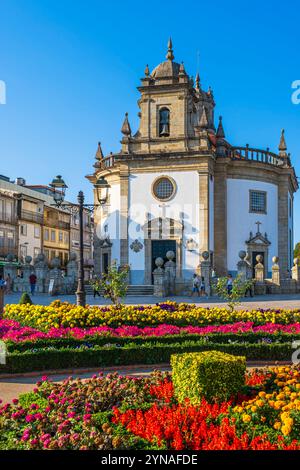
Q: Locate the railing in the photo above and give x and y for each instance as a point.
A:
(32, 216)
(107, 162)
(7, 249)
(8, 218)
(257, 155)
(57, 223)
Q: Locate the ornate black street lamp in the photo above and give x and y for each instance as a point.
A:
(59, 191)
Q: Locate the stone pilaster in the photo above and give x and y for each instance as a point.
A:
(296, 270)
(204, 209)
(283, 227)
(220, 217)
(276, 271)
(124, 190)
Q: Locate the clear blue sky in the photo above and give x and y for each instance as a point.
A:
(71, 69)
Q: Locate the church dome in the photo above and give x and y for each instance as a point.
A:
(166, 69)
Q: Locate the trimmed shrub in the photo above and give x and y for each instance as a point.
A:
(25, 299)
(214, 375)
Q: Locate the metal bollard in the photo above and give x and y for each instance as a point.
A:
(1, 301)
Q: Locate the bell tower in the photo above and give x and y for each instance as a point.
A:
(171, 108)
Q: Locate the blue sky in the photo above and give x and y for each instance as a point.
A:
(71, 69)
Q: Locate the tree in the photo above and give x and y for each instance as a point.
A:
(297, 251)
(239, 289)
(25, 299)
(114, 284)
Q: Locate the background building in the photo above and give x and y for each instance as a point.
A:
(30, 224)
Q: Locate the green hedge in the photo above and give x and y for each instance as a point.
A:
(148, 353)
(213, 375)
(223, 338)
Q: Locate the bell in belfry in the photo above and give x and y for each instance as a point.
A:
(165, 130)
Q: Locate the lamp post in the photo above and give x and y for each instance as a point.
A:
(59, 190)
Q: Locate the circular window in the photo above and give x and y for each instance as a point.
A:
(164, 188)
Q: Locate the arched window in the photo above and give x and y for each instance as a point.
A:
(164, 122)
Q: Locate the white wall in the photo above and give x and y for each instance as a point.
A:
(240, 222)
(29, 240)
(112, 220)
(290, 230)
(184, 203)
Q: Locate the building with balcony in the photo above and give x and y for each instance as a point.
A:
(30, 224)
(179, 184)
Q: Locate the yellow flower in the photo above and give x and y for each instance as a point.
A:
(246, 418)
(277, 425)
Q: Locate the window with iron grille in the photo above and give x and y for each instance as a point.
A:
(258, 202)
(163, 188)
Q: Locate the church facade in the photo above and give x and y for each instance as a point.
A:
(179, 185)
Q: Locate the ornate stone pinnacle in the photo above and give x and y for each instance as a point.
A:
(181, 69)
(170, 55)
(147, 72)
(282, 144)
(220, 130)
(197, 80)
(99, 154)
(126, 130)
(203, 120)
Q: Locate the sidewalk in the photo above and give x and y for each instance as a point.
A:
(263, 301)
(13, 386)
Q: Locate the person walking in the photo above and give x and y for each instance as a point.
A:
(196, 285)
(32, 281)
(202, 287)
(229, 284)
(8, 286)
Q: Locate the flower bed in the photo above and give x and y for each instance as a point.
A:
(65, 315)
(116, 412)
(123, 335)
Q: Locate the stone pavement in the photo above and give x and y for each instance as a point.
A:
(267, 301)
(12, 386)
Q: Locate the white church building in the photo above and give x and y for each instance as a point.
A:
(178, 184)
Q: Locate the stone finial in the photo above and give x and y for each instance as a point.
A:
(170, 255)
(182, 69)
(203, 123)
(296, 261)
(10, 257)
(282, 145)
(147, 71)
(99, 154)
(205, 255)
(259, 259)
(159, 262)
(197, 81)
(210, 92)
(28, 259)
(242, 254)
(220, 131)
(275, 259)
(170, 55)
(126, 129)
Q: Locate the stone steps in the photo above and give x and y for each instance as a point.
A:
(133, 290)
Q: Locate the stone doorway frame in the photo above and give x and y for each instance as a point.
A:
(260, 243)
(162, 229)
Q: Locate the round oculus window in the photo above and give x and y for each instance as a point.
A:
(163, 188)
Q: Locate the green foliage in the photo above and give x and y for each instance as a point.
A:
(25, 299)
(132, 353)
(210, 374)
(297, 251)
(31, 398)
(114, 283)
(239, 289)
